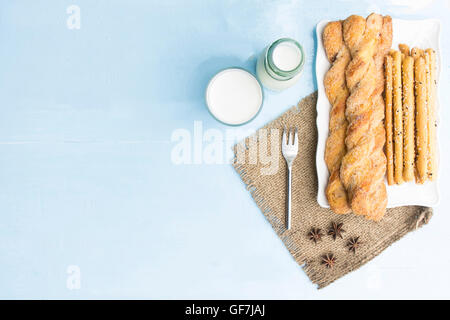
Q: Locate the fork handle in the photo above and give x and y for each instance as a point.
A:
(289, 186)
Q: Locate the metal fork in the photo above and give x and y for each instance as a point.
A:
(289, 149)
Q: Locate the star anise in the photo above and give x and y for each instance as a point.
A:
(336, 230)
(315, 234)
(353, 244)
(329, 260)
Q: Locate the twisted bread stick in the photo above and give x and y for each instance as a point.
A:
(364, 165)
(379, 161)
(337, 93)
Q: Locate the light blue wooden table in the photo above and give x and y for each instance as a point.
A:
(92, 204)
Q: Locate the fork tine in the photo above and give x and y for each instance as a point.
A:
(296, 137)
(291, 136)
(284, 136)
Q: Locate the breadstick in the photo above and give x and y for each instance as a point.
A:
(408, 117)
(398, 116)
(404, 49)
(388, 121)
(421, 119)
(427, 90)
(430, 57)
(416, 52)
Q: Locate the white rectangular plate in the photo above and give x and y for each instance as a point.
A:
(421, 33)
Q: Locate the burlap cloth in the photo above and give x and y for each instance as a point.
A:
(269, 193)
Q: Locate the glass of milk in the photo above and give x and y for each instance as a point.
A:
(281, 64)
(234, 96)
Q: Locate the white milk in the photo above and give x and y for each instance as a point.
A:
(286, 56)
(234, 96)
